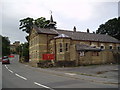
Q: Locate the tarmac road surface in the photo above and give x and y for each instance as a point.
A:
(17, 75)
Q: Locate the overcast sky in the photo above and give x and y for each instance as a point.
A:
(67, 14)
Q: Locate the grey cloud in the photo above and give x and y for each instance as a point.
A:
(10, 28)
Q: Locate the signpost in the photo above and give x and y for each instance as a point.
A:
(48, 56)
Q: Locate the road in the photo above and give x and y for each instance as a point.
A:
(17, 75)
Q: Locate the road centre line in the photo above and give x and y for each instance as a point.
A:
(43, 86)
(6, 66)
(8, 69)
(21, 76)
(70, 73)
(15, 73)
(26, 79)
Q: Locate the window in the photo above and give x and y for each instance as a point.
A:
(31, 43)
(82, 53)
(102, 47)
(60, 47)
(110, 47)
(118, 47)
(94, 46)
(66, 47)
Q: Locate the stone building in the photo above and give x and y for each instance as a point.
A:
(71, 47)
(14, 46)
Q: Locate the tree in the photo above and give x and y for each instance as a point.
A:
(23, 50)
(26, 24)
(41, 22)
(111, 27)
(19, 50)
(5, 46)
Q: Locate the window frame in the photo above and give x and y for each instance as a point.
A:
(82, 53)
(110, 47)
(66, 47)
(118, 47)
(60, 47)
(102, 46)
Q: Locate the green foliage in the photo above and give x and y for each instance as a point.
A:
(19, 50)
(41, 22)
(26, 24)
(24, 51)
(5, 46)
(111, 27)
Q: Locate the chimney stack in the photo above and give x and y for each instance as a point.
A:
(88, 31)
(74, 29)
(93, 32)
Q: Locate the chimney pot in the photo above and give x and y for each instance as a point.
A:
(88, 31)
(74, 29)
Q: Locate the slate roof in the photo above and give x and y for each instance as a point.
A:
(78, 35)
(82, 47)
(45, 31)
(62, 36)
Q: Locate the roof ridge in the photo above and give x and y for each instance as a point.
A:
(79, 35)
(73, 31)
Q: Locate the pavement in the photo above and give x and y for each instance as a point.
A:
(105, 71)
(107, 74)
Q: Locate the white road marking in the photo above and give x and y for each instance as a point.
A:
(21, 76)
(70, 73)
(8, 69)
(43, 86)
(15, 73)
(6, 66)
(26, 65)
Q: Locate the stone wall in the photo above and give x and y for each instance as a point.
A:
(44, 43)
(63, 55)
(104, 57)
(40, 45)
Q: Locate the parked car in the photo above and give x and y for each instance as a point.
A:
(5, 60)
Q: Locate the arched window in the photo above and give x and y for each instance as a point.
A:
(102, 47)
(110, 47)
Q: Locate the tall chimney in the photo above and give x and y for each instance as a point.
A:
(74, 29)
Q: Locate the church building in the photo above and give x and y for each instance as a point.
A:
(65, 47)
